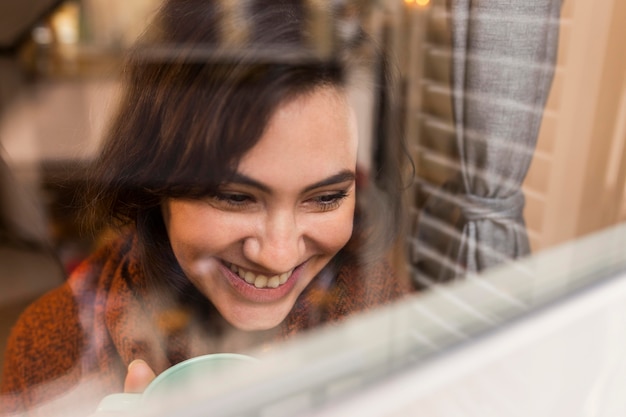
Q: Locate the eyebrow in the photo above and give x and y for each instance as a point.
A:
(342, 176)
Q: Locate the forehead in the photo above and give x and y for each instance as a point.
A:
(307, 138)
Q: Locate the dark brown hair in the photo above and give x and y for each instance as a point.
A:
(197, 100)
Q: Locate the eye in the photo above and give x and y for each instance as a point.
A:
(231, 200)
(329, 201)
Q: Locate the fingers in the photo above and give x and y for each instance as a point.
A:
(138, 377)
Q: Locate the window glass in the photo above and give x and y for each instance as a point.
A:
(345, 191)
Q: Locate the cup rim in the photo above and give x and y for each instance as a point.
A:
(189, 362)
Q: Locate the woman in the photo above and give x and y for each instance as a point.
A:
(233, 177)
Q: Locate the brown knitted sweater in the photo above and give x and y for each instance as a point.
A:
(104, 317)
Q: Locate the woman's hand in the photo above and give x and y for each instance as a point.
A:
(138, 377)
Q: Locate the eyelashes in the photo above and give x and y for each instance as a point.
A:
(327, 202)
(232, 200)
(235, 201)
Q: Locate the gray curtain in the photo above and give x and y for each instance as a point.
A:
(503, 57)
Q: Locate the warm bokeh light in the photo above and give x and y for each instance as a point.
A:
(65, 23)
(417, 2)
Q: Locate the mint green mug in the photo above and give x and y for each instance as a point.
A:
(198, 368)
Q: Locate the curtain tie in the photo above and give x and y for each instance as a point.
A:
(482, 208)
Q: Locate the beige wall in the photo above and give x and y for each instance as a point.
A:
(576, 182)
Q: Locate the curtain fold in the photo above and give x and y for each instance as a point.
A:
(503, 58)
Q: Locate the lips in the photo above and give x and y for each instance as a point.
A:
(266, 294)
(261, 281)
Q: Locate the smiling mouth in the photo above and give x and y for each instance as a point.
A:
(261, 281)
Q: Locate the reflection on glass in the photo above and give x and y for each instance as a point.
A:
(513, 119)
(228, 206)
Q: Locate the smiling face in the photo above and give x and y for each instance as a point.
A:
(255, 245)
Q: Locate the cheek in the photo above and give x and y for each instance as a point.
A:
(195, 243)
(196, 233)
(334, 232)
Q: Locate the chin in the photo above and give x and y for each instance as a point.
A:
(255, 319)
(255, 326)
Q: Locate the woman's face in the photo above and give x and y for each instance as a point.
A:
(252, 248)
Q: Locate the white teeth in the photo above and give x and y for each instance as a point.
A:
(261, 281)
(249, 277)
(273, 282)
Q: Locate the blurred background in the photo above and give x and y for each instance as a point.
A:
(557, 137)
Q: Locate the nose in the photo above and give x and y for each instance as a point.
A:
(277, 244)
